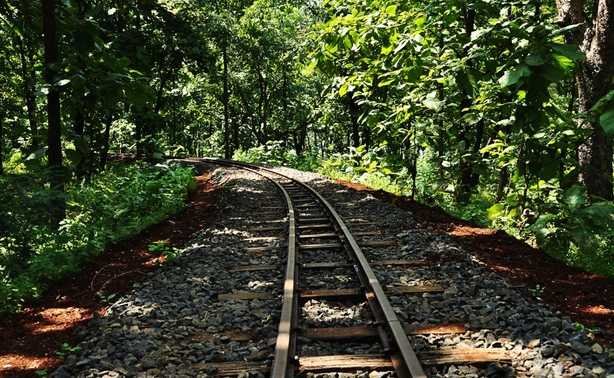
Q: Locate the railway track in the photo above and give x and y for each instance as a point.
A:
(319, 240)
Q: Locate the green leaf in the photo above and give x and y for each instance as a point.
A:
(387, 50)
(575, 197)
(62, 82)
(606, 120)
(491, 147)
(553, 72)
(565, 63)
(347, 42)
(603, 102)
(386, 83)
(331, 48)
(534, 60)
(512, 77)
(471, 118)
(433, 104)
(310, 68)
(391, 10)
(419, 21)
(570, 51)
(112, 11)
(343, 90)
(566, 29)
(495, 211)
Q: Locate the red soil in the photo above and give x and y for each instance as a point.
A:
(31, 339)
(586, 298)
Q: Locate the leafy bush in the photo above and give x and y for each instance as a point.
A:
(114, 205)
(581, 233)
(274, 153)
(368, 168)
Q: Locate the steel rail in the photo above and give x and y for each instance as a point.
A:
(285, 342)
(408, 364)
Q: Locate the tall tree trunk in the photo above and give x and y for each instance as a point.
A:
(366, 136)
(1, 143)
(104, 153)
(593, 81)
(138, 133)
(299, 136)
(79, 102)
(29, 95)
(54, 127)
(504, 179)
(235, 133)
(469, 177)
(354, 110)
(27, 55)
(225, 100)
(263, 105)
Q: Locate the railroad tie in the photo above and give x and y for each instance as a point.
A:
(307, 247)
(442, 356)
(314, 226)
(357, 292)
(358, 332)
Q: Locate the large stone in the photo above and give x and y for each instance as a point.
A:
(579, 347)
(596, 348)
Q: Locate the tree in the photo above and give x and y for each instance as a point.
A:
(54, 121)
(595, 35)
(27, 55)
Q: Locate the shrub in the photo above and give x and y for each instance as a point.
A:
(114, 205)
(581, 233)
(274, 153)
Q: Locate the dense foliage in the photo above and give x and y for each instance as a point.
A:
(498, 111)
(472, 105)
(113, 205)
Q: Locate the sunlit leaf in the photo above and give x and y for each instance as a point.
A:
(391, 10)
(512, 77)
(495, 211)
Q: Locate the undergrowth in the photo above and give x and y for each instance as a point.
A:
(114, 205)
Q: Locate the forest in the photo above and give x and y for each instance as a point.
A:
(498, 112)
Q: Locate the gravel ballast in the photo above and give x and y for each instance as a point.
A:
(173, 324)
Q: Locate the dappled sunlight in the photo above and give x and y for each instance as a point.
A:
(20, 362)
(322, 313)
(260, 285)
(599, 310)
(60, 319)
(248, 190)
(461, 231)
